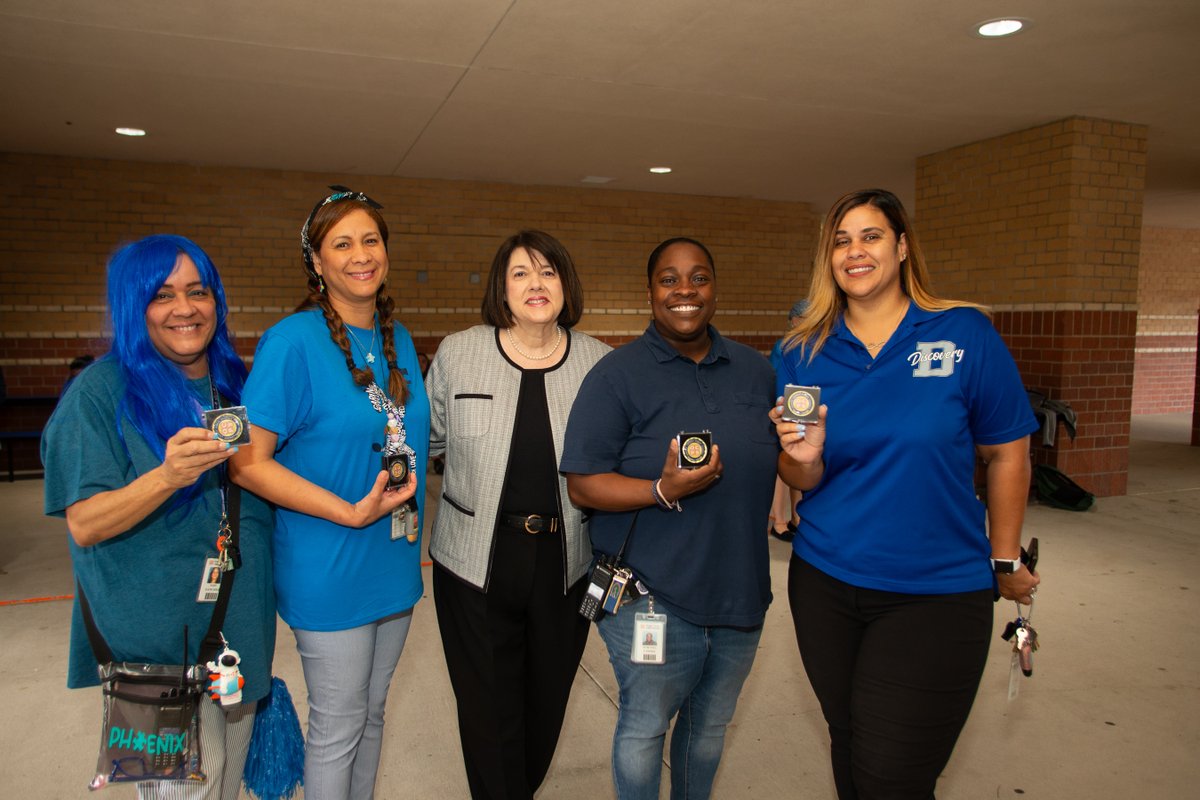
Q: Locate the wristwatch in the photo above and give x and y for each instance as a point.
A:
(1005, 566)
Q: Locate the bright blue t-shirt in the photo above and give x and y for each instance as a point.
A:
(709, 564)
(329, 577)
(896, 508)
(142, 585)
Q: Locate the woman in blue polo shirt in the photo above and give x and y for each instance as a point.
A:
(697, 549)
(890, 583)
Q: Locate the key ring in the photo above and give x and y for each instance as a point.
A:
(1028, 616)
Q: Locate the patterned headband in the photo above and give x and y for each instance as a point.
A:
(339, 193)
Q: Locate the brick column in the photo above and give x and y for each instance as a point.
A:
(1045, 226)
(1196, 396)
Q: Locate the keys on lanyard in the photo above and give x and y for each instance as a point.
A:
(229, 557)
(1024, 642)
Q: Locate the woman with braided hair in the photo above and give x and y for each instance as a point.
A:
(336, 390)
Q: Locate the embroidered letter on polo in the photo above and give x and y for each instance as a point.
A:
(935, 359)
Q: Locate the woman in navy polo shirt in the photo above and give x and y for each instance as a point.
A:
(697, 554)
(890, 583)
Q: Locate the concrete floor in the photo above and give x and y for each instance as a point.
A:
(1111, 711)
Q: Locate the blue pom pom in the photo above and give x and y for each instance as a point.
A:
(275, 763)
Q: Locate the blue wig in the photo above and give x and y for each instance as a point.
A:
(157, 397)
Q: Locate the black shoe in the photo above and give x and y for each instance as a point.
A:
(785, 536)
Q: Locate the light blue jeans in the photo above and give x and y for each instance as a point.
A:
(348, 674)
(700, 681)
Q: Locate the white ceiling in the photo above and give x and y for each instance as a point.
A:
(780, 99)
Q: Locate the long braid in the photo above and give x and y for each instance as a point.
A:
(337, 330)
(397, 385)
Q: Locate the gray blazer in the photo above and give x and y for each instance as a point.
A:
(472, 407)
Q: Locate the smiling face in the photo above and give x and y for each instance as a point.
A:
(683, 298)
(867, 256)
(182, 318)
(532, 289)
(352, 260)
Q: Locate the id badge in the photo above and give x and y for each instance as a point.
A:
(210, 581)
(649, 639)
(404, 523)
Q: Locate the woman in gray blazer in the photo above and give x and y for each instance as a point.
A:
(510, 551)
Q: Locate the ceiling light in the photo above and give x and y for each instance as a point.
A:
(596, 179)
(660, 170)
(994, 28)
(131, 131)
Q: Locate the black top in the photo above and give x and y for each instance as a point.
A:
(531, 481)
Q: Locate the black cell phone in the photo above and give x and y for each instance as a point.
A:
(1030, 557)
(598, 584)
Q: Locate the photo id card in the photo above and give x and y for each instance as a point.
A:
(229, 424)
(649, 639)
(210, 581)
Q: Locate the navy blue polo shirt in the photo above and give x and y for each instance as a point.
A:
(708, 564)
(896, 509)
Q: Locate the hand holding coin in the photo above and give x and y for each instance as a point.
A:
(379, 501)
(190, 453)
(802, 441)
(678, 482)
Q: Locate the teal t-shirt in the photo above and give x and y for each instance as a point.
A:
(329, 577)
(143, 584)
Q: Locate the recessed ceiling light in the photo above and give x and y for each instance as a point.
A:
(994, 28)
(660, 170)
(598, 179)
(131, 131)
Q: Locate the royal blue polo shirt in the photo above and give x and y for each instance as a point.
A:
(896, 508)
(708, 564)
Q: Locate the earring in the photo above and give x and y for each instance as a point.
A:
(320, 284)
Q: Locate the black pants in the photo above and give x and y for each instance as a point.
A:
(512, 653)
(896, 675)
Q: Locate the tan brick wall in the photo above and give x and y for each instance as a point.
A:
(1052, 214)
(1045, 225)
(60, 219)
(1168, 299)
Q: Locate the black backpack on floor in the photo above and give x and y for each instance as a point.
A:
(1056, 489)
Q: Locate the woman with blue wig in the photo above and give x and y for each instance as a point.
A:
(138, 479)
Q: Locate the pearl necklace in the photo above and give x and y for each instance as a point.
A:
(513, 341)
(370, 355)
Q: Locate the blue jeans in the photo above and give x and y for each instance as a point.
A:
(348, 674)
(700, 681)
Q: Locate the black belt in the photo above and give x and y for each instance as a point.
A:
(531, 523)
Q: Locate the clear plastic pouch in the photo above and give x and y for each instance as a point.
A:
(151, 729)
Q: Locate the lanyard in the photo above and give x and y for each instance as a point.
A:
(229, 556)
(396, 441)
